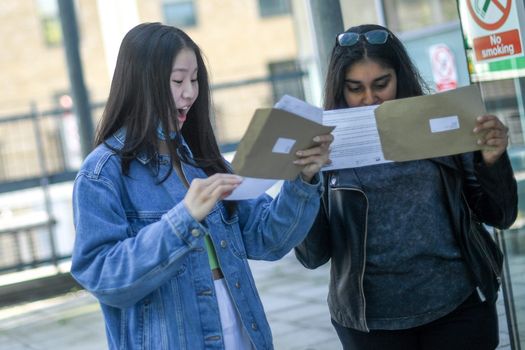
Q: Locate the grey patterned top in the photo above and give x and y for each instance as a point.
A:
(414, 272)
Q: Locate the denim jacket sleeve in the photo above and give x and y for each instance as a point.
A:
(271, 228)
(119, 267)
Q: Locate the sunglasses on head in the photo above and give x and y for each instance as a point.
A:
(374, 37)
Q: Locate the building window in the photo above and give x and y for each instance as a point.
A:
(179, 13)
(50, 21)
(287, 79)
(268, 8)
(400, 13)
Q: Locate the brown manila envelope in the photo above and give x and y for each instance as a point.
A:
(267, 149)
(430, 126)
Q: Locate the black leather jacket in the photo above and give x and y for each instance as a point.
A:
(340, 230)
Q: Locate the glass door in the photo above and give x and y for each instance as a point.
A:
(505, 99)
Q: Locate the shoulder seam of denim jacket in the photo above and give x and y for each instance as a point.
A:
(80, 173)
(102, 161)
(101, 179)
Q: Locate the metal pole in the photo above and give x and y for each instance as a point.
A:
(508, 297)
(327, 22)
(78, 88)
(380, 12)
(518, 86)
(44, 182)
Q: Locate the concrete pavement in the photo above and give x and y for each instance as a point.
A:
(294, 299)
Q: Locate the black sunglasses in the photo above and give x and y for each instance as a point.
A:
(374, 37)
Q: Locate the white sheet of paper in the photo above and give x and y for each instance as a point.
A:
(356, 139)
(294, 105)
(251, 188)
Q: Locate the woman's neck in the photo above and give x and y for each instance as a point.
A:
(163, 148)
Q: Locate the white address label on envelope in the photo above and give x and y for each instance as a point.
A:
(444, 124)
(283, 145)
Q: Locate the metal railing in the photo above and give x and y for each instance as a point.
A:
(41, 148)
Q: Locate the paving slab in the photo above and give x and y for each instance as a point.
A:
(294, 300)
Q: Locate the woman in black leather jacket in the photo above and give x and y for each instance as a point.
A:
(411, 265)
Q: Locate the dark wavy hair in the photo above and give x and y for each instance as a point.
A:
(391, 54)
(140, 99)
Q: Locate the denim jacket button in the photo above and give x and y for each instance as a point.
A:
(237, 285)
(223, 243)
(254, 326)
(195, 232)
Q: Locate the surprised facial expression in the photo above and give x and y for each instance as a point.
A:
(183, 83)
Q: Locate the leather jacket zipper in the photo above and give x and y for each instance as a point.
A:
(362, 274)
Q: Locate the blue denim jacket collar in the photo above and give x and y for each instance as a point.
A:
(118, 139)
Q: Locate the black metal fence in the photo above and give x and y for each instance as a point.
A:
(41, 149)
(37, 150)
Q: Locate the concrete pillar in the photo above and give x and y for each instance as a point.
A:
(317, 23)
(327, 21)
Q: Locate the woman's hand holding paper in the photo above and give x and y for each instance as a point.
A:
(493, 133)
(316, 157)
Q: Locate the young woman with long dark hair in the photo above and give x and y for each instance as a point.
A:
(155, 243)
(411, 267)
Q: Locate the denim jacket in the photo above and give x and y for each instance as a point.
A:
(143, 256)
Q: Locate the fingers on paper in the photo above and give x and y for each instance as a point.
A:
(204, 193)
(219, 184)
(327, 138)
(495, 132)
(488, 122)
(322, 147)
(318, 155)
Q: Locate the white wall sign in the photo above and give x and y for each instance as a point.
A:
(443, 66)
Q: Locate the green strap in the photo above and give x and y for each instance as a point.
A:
(212, 256)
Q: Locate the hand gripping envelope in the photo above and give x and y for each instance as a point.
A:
(430, 126)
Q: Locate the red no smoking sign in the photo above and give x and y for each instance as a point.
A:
(493, 33)
(489, 14)
(495, 29)
(443, 67)
(497, 45)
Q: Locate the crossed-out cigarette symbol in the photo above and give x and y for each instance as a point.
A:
(483, 10)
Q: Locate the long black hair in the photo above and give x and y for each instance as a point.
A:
(140, 100)
(391, 54)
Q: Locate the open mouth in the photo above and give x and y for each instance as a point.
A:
(182, 112)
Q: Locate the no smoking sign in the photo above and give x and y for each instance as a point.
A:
(494, 29)
(443, 67)
(489, 14)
